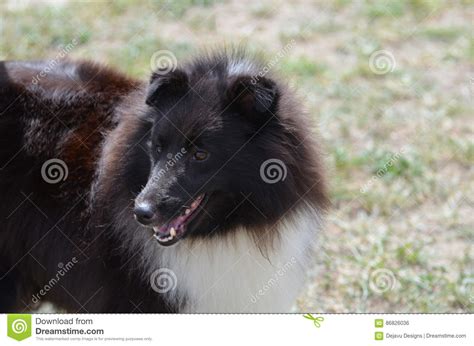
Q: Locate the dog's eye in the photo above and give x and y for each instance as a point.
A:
(200, 155)
(158, 149)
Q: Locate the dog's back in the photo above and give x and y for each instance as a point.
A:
(53, 119)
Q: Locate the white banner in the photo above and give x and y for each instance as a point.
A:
(238, 329)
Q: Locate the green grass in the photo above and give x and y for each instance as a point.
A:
(449, 34)
(302, 67)
(414, 215)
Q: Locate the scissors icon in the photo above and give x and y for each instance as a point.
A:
(316, 320)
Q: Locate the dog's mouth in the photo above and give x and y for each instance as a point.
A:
(175, 229)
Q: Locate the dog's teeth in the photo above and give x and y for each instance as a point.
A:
(172, 232)
(156, 229)
(187, 211)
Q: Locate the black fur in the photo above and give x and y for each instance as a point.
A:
(117, 137)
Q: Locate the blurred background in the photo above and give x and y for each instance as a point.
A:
(389, 84)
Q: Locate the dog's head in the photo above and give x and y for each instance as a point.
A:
(220, 154)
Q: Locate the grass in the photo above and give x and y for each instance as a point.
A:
(399, 145)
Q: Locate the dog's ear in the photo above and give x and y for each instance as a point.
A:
(166, 87)
(254, 97)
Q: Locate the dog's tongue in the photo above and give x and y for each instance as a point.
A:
(176, 225)
(173, 224)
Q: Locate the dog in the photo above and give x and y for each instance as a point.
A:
(202, 190)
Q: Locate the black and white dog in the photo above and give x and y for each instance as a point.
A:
(200, 191)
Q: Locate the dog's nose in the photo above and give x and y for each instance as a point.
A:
(144, 213)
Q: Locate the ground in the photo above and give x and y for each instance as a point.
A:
(389, 84)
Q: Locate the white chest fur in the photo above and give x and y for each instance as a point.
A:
(234, 275)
